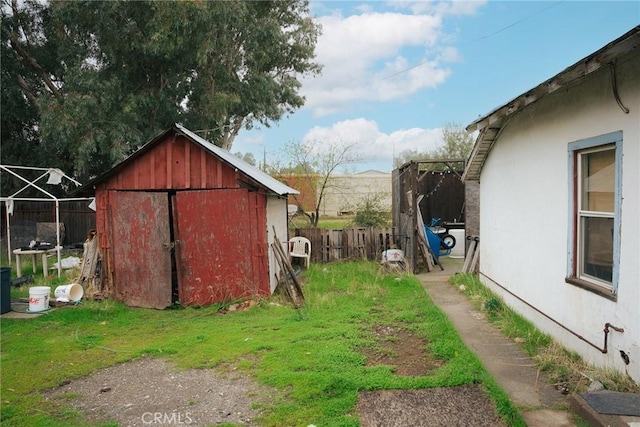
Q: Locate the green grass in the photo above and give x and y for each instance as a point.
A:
(52, 280)
(311, 354)
(334, 223)
(562, 366)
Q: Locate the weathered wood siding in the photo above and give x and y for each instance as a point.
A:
(175, 163)
(349, 243)
(208, 254)
(444, 198)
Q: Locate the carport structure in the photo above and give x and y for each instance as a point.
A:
(54, 177)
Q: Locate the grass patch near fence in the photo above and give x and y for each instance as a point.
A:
(335, 223)
(38, 277)
(328, 222)
(311, 354)
(565, 369)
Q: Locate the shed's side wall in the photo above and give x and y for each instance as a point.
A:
(524, 206)
(276, 218)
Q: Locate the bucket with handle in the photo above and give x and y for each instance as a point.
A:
(39, 298)
(66, 293)
(393, 255)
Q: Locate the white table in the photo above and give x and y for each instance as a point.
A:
(34, 253)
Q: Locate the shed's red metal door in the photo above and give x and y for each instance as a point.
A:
(215, 248)
(141, 238)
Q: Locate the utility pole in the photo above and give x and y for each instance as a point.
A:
(264, 158)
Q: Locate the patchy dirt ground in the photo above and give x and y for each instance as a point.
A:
(447, 406)
(401, 349)
(153, 392)
(433, 407)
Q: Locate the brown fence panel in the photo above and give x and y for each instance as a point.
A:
(76, 217)
(328, 245)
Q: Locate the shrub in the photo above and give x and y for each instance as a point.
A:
(371, 213)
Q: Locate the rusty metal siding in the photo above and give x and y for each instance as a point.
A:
(215, 251)
(140, 243)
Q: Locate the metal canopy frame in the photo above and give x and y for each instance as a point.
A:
(55, 177)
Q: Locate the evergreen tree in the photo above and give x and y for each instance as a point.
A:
(88, 82)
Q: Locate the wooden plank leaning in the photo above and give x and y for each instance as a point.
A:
(283, 278)
(288, 279)
(476, 256)
(423, 243)
(470, 254)
(293, 287)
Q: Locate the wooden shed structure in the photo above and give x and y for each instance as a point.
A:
(422, 190)
(184, 221)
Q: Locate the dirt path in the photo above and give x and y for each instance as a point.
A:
(153, 392)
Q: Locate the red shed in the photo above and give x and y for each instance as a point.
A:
(184, 220)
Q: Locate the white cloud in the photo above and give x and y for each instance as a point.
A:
(449, 54)
(371, 144)
(455, 7)
(375, 56)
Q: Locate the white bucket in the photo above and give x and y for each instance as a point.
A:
(458, 250)
(39, 298)
(392, 255)
(66, 293)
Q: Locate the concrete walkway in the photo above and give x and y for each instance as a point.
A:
(540, 404)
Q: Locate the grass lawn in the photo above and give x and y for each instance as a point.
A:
(314, 354)
(330, 222)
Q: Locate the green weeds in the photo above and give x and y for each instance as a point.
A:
(563, 367)
(311, 354)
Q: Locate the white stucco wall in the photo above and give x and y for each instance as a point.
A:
(524, 203)
(276, 217)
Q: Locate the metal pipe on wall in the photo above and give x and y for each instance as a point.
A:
(607, 325)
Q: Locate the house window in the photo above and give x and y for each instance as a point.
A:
(594, 241)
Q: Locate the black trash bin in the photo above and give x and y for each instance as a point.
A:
(5, 290)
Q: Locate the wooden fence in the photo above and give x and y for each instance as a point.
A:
(350, 243)
(75, 216)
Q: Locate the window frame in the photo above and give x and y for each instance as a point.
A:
(575, 276)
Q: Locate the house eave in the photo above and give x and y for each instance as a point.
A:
(491, 125)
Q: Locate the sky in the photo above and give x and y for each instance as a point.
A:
(396, 72)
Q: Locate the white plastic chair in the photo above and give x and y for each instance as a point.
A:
(300, 247)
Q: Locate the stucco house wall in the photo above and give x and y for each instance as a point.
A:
(525, 205)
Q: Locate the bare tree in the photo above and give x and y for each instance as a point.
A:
(316, 166)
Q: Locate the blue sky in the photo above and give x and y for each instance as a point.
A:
(396, 72)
